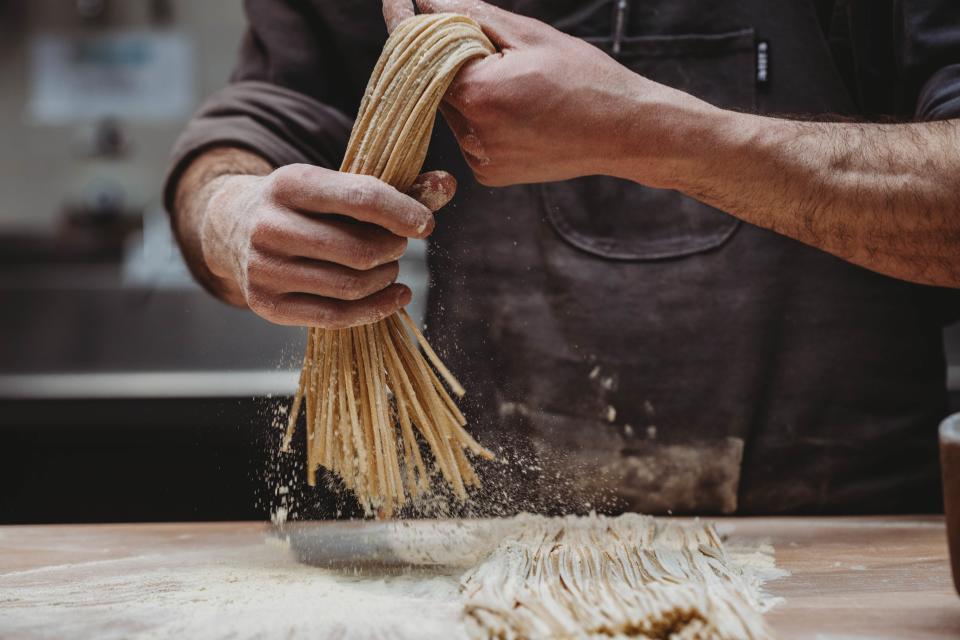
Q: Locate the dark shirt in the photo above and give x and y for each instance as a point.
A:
(662, 355)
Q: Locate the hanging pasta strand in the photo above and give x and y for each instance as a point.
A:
(373, 394)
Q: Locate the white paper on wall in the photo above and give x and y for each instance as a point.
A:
(145, 76)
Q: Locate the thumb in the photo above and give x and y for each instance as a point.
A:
(504, 29)
(433, 189)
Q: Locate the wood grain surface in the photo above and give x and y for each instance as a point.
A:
(849, 577)
(859, 577)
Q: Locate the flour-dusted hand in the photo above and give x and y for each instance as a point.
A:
(548, 107)
(313, 247)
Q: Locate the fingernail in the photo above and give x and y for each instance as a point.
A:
(404, 296)
(426, 227)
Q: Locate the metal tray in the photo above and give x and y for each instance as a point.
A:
(403, 543)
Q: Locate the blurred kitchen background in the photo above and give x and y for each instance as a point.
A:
(126, 392)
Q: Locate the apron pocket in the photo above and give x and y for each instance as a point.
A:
(621, 220)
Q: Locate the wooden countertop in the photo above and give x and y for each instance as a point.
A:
(849, 578)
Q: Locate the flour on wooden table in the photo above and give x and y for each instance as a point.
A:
(537, 577)
(255, 592)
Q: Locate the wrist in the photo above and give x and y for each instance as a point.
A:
(712, 146)
(222, 223)
(670, 139)
(205, 177)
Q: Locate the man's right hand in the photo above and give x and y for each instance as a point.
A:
(309, 246)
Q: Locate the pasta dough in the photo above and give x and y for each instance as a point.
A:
(631, 577)
(371, 396)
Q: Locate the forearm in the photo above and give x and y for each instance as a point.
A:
(884, 197)
(195, 189)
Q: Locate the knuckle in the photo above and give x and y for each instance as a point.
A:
(395, 247)
(484, 178)
(285, 181)
(262, 302)
(256, 267)
(391, 272)
(348, 287)
(262, 268)
(263, 232)
(364, 256)
(484, 106)
(362, 195)
(472, 143)
(331, 316)
(472, 96)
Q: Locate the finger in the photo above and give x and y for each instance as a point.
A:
(326, 279)
(469, 142)
(433, 189)
(395, 12)
(356, 245)
(455, 120)
(505, 29)
(317, 190)
(304, 310)
(472, 83)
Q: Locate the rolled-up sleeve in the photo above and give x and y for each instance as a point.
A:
(927, 51)
(281, 125)
(299, 73)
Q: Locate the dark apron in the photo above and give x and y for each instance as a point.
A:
(632, 348)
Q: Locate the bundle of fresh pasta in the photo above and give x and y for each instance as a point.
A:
(370, 394)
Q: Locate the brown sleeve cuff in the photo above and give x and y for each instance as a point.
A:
(283, 126)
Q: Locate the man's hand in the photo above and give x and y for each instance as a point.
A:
(305, 245)
(549, 106)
